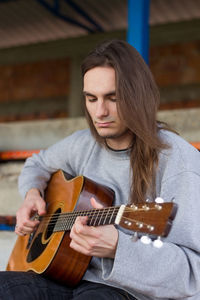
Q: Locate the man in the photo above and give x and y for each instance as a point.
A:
(139, 158)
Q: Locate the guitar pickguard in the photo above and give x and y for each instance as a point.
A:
(41, 241)
(36, 248)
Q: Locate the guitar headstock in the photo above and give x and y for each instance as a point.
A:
(149, 218)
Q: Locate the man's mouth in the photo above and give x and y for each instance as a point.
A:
(103, 124)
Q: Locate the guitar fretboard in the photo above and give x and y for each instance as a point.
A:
(96, 217)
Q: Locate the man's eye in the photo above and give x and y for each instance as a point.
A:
(92, 99)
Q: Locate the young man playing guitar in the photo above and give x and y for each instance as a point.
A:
(137, 157)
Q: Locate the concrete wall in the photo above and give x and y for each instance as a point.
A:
(37, 134)
(185, 121)
(7, 241)
(41, 134)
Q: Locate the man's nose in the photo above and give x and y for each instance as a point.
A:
(101, 109)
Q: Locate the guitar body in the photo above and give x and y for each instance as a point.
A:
(48, 253)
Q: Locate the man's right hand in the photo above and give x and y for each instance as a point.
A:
(33, 204)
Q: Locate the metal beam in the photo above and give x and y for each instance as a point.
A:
(138, 26)
(56, 10)
(85, 15)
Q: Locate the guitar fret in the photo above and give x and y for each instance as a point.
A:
(100, 219)
(105, 220)
(72, 221)
(90, 221)
(111, 217)
(64, 224)
(95, 218)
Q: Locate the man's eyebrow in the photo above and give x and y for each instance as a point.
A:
(85, 93)
(112, 93)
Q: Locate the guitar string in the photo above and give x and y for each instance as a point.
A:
(71, 221)
(124, 218)
(88, 213)
(72, 218)
(93, 211)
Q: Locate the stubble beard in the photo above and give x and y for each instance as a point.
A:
(114, 135)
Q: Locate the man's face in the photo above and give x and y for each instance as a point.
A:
(100, 97)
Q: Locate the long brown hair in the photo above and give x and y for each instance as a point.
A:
(137, 102)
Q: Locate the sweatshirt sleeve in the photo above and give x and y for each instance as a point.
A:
(172, 271)
(38, 168)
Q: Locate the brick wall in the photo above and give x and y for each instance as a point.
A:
(176, 69)
(40, 90)
(34, 90)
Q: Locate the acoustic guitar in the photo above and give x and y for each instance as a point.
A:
(46, 251)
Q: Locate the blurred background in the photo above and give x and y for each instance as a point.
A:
(42, 44)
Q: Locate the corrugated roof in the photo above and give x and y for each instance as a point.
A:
(167, 11)
(24, 22)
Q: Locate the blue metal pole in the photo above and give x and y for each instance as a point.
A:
(138, 26)
(7, 227)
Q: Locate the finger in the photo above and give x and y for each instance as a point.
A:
(82, 233)
(95, 204)
(77, 241)
(19, 231)
(81, 248)
(81, 241)
(79, 225)
(27, 229)
(24, 229)
(29, 210)
(41, 207)
(23, 220)
(78, 232)
(82, 220)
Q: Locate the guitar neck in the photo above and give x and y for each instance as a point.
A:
(151, 218)
(96, 217)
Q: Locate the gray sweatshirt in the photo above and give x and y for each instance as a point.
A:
(169, 272)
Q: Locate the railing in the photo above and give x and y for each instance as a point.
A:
(16, 155)
(196, 145)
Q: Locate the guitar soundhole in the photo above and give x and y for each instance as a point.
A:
(52, 223)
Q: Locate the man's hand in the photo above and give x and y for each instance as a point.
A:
(98, 241)
(32, 204)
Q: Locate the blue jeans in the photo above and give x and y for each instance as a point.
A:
(30, 286)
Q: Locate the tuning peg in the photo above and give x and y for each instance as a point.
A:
(145, 240)
(159, 200)
(134, 237)
(158, 243)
